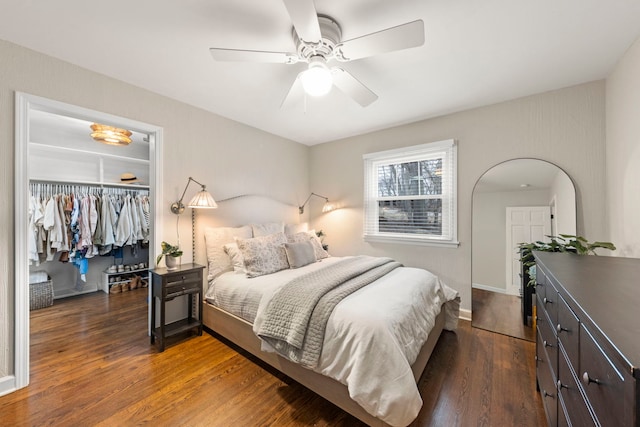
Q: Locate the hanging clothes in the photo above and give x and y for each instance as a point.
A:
(80, 222)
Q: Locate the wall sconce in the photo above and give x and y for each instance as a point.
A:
(202, 199)
(327, 207)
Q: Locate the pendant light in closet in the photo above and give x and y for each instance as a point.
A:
(110, 135)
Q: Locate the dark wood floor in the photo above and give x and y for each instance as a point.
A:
(500, 313)
(91, 364)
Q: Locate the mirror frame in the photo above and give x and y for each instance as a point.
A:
(473, 197)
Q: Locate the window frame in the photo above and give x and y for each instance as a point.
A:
(447, 149)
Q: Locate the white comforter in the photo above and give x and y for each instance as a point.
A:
(372, 338)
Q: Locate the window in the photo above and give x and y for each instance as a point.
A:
(410, 195)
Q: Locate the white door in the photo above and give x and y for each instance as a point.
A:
(524, 225)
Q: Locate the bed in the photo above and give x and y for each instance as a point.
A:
(377, 313)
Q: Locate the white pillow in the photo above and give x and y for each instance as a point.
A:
(267, 228)
(300, 254)
(264, 254)
(237, 260)
(315, 241)
(215, 239)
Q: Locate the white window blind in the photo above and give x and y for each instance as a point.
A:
(410, 194)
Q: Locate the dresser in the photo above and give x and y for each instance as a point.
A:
(166, 286)
(588, 339)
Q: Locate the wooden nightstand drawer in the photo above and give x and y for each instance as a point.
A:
(184, 278)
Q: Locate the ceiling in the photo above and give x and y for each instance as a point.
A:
(476, 53)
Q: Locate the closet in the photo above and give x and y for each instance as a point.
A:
(89, 209)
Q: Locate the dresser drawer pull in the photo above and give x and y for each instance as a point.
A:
(561, 386)
(559, 328)
(545, 394)
(546, 343)
(539, 359)
(547, 301)
(586, 379)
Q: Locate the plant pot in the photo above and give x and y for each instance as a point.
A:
(171, 262)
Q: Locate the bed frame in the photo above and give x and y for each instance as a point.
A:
(240, 332)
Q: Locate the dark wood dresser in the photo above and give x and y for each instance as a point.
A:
(588, 339)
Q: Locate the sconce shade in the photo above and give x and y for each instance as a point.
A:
(110, 135)
(203, 200)
(327, 207)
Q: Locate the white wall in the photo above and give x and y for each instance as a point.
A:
(565, 127)
(229, 157)
(623, 153)
(489, 234)
(563, 192)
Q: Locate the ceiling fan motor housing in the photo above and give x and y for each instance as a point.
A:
(331, 36)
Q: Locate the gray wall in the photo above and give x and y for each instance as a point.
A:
(229, 157)
(565, 127)
(489, 234)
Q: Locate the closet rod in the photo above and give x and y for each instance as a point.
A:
(93, 184)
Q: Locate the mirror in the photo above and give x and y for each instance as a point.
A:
(516, 201)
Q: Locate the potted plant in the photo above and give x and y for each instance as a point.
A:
(172, 254)
(562, 243)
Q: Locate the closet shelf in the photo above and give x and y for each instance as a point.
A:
(51, 148)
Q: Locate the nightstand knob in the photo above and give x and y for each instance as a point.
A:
(545, 394)
(559, 328)
(561, 386)
(547, 301)
(546, 344)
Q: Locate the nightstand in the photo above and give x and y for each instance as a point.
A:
(167, 285)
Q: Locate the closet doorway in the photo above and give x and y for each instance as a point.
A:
(94, 170)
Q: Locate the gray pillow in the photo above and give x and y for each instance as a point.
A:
(300, 254)
(264, 254)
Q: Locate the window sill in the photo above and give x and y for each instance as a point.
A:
(410, 241)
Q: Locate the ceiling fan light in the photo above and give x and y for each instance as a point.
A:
(317, 80)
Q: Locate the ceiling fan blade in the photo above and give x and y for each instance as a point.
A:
(401, 37)
(239, 55)
(352, 87)
(305, 19)
(295, 93)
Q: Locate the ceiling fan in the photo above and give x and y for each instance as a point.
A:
(318, 41)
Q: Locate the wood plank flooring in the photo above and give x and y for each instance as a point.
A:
(500, 313)
(92, 364)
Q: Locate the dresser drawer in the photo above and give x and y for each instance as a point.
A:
(568, 331)
(546, 383)
(548, 340)
(602, 382)
(549, 303)
(570, 394)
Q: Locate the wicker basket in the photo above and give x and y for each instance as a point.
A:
(40, 295)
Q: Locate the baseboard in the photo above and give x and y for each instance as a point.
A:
(465, 314)
(488, 288)
(7, 385)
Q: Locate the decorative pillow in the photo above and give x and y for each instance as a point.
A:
(267, 228)
(291, 229)
(300, 254)
(237, 260)
(215, 239)
(264, 254)
(315, 241)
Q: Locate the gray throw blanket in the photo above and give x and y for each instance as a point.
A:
(297, 315)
